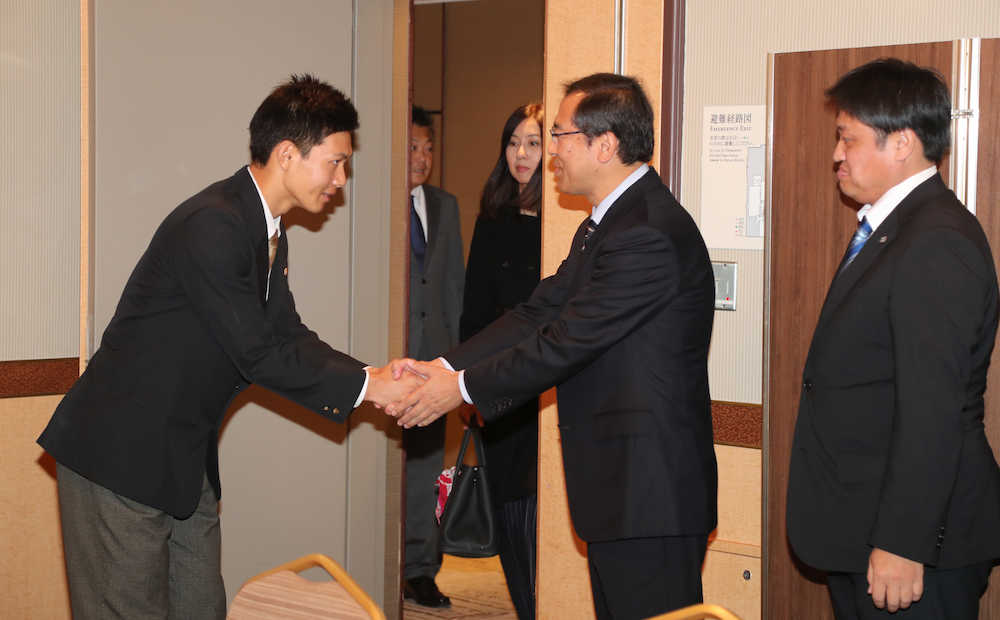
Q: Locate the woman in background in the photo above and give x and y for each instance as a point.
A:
(503, 270)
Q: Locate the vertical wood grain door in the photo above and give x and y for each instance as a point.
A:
(809, 228)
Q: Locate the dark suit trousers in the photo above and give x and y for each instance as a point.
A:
(948, 595)
(642, 577)
(516, 535)
(127, 560)
(424, 447)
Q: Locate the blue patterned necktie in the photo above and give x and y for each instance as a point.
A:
(857, 241)
(418, 243)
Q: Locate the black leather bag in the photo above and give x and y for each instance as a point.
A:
(467, 527)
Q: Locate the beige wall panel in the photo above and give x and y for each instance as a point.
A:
(739, 494)
(428, 70)
(372, 494)
(726, 58)
(32, 576)
(40, 179)
(493, 63)
(644, 55)
(579, 39)
(724, 582)
(739, 333)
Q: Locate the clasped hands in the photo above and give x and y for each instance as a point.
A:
(415, 393)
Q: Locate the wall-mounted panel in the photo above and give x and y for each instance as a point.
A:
(40, 179)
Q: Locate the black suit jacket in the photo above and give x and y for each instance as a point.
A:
(192, 329)
(622, 330)
(889, 448)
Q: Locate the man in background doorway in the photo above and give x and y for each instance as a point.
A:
(437, 277)
(893, 489)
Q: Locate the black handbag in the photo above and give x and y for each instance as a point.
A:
(467, 527)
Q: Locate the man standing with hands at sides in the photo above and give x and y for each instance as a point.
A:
(893, 488)
(437, 278)
(206, 311)
(622, 331)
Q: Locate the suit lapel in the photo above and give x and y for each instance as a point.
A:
(623, 205)
(250, 207)
(845, 281)
(433, 210)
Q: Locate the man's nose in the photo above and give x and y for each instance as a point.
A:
(838, 152)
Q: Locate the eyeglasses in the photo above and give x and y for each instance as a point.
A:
(558, 134)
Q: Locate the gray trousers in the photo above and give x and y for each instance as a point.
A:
(127, 560)
(424, 448)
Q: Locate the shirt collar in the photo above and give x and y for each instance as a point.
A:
(273, 223)
(598, 212)
(418, 194)
(877, 212)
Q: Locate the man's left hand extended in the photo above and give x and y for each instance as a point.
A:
(894, 582)
(437, 396)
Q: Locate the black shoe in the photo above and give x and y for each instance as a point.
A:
(425, 592)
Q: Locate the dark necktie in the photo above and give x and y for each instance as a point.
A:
(591, 227)
(857, 241)
(418, 243)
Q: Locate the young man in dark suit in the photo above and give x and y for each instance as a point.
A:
(437, 278)
(893, 488)
(206, 311)
(622, 331)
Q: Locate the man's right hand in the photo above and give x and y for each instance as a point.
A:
(385, 387)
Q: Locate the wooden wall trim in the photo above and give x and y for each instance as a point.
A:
(38, 377)
(672, 99)
(737, 424)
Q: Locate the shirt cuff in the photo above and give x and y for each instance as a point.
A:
(364, 389)
(461, 380)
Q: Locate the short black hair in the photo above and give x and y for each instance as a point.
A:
(422, 118)
(891, 95)
(304, 110)
(615, 103)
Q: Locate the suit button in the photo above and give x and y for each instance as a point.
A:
(423, 315)
(423, 280)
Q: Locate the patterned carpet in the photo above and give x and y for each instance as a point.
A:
(476, 588)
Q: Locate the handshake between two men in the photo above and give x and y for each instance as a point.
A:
(415, 393)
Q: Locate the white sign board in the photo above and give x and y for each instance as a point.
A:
(732, 177)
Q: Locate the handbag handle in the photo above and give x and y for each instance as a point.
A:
(476, 432)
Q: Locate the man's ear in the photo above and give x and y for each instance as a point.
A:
(283, 153)
(906, 144)
(607, 146)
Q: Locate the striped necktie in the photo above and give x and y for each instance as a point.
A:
(272, 250)
(857, 241)
(591, 227)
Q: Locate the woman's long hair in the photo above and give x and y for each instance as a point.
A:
(501, 192)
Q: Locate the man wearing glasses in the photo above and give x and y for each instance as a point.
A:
(622, 331)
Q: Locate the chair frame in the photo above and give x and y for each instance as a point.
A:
(336, 572)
